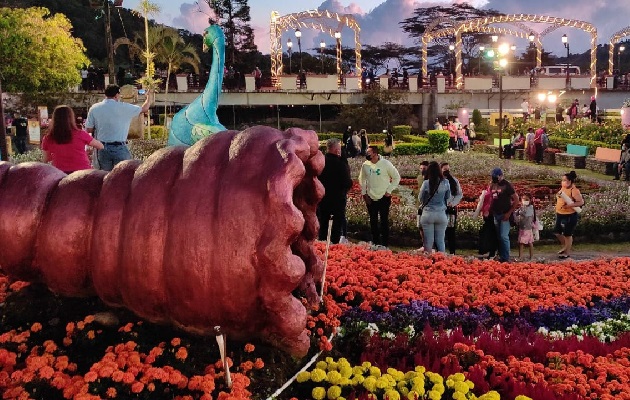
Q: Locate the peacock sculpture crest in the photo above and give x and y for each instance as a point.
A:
(199, 119)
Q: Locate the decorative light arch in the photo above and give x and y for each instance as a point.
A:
(614, 39)
(322, 20)
(481, 25)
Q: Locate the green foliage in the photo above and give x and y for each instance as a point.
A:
(158, 132)
(476, 118)
(409, 149)
(380, 110)
(415, 139)
(401, 130)
(438, 141)
(29, 156)
(142, 148)
(38, 52)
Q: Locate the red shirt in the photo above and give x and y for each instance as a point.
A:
(69, 157)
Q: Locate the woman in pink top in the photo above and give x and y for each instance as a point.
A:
(64, 144)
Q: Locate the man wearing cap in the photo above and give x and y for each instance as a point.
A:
(504, 202)
(109, 121)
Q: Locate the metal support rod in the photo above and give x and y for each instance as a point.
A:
(500, 115)
(109, 43)
(330, 224)
(4, 152)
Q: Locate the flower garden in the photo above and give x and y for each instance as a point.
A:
(391, 325)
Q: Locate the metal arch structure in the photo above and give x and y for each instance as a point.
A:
(479, 25)
(321, 20)
(614, 39)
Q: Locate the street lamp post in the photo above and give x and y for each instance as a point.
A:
(338, 38)
(451, 56)
(290, 47)
(621, 49)
(565, 40)
(481, 49)
(503, 50)
(322, 46)
(298, 35)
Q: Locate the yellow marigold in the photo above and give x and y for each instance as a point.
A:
(409, 375)
(318, 375)
(318, 393)
(366, 364)
(435, 378)
(343, 362)
(369, 383)
(334, 377)
(461, 387)
(329, 360)
(358, 370)
(303, 376)
(333, 366)
(459, 396)
(521, 397)
(392, 395)
(357, 380)
(401, 384)
(418, 381)
(433, 395)
(375, 371)
(403, 391)
(438, 387)
(345, 371)
(420, 369)
(450, 383)
(470, 384)
(333, 392)
(382, 383)
(322, 365)
(458, 377)
(418, 389)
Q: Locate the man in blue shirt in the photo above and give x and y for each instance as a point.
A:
(109, 121)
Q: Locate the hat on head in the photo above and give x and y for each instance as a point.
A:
(497, 172)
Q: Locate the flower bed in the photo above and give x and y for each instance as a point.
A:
(407, 327)
(604, 218)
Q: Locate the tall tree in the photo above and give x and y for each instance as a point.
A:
(233, 16)
(417, 25)
(38, 54)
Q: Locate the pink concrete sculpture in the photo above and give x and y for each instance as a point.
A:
(220, 233)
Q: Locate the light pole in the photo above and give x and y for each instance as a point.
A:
(322, 46)
(290, 47)
(481, 49)
(451, 55)
(531, 38)
(504, 49)
(338, 39)
(298, 35)
(565, 40)
(621, 49)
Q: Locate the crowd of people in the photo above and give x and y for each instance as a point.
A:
(439, 195)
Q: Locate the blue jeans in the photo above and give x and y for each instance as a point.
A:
(503, 236)
(434, 227)
(112, 155)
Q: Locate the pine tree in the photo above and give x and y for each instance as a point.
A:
(233, 16)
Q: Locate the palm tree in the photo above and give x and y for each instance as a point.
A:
(174, 52)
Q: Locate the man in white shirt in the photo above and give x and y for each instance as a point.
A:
(525, 108)
(378, 179)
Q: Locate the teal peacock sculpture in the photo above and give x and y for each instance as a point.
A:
(199, 119)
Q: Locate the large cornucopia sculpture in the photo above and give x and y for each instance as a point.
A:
(220, 233)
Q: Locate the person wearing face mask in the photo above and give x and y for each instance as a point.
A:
(378, 179)
(451, 207)
(525, 219)
(504, 202)
(109, 121)
(335, 178)
(568, 199)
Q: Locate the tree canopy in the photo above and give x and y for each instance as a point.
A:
(234, 17)
(38, 51)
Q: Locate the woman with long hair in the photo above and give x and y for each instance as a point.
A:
(64, 144)
(568, 203)
(434, 195)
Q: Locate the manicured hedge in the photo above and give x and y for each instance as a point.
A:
(372, 137)
(561, 143)
(438, 141)
(401, 130)
(415, 139)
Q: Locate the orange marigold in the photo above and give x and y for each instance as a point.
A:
(111, 393)
(36, 327)
(181, 354)
(91, 376)
(137, 387)
(249, 348)
(176, 342)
